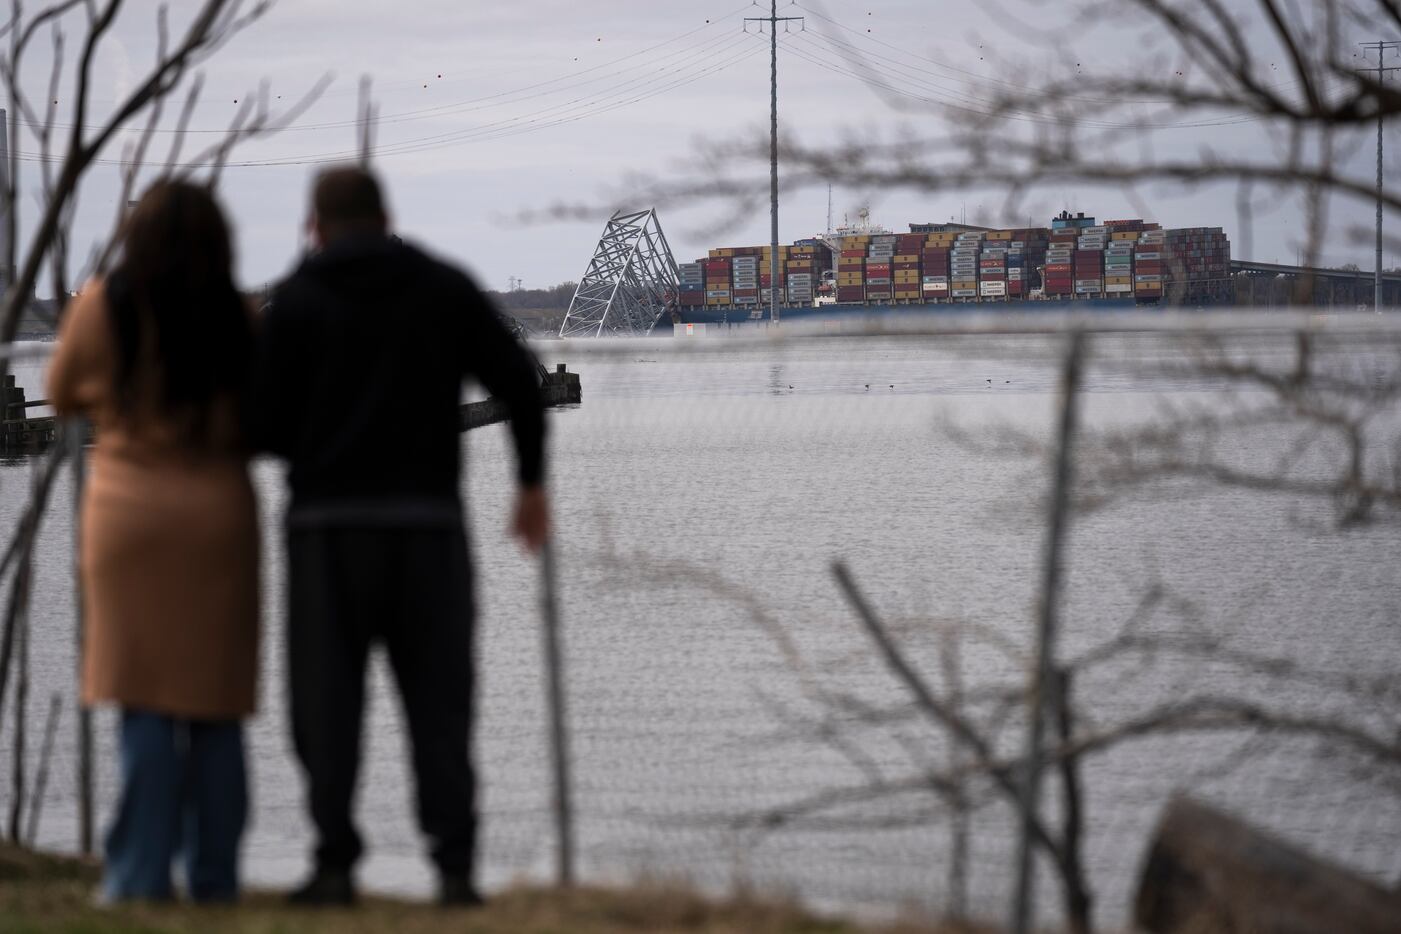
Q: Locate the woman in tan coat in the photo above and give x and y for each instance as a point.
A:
(157, 355)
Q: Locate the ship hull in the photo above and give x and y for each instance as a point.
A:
(729, 315)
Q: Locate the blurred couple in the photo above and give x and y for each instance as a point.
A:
(352, 376)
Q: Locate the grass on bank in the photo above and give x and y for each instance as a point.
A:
(54, 895)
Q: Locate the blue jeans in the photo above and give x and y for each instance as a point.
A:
(184, 791)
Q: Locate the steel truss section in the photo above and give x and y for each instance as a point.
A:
(630, 281)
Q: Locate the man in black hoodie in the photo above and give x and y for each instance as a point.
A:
(363, 352)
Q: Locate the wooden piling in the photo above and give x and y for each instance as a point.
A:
(556, 388)
(21, 435)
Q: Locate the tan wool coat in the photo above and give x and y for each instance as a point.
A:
(169, 553)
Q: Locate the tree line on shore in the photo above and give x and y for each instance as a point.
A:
(556, 296)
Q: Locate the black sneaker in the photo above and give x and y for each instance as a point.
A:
(325, 889)
(458, 892)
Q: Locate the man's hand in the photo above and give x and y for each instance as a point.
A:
(531, 523)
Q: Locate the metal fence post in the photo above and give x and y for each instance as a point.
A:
(75, 434)
(559, 736)
(1042, 699)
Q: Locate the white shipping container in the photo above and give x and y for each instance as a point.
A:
(993, 288)
(1116, 287)
(964, 293)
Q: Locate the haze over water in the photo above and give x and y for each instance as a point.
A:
(700, 498)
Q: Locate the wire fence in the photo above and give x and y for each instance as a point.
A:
(1227, 620)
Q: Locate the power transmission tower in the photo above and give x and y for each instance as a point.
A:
(1381, 48)
(773, 19)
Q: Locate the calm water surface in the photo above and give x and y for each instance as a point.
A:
(700, 499)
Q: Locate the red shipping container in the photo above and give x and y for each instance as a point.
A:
(877, 268)
(854, 253)
(907, 265)
(746, 293)
(854, 293)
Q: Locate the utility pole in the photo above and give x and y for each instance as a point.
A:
(1381, 48)
(773, 19)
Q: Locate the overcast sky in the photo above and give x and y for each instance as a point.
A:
(488, 110)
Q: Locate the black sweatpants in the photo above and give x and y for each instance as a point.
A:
(409, 589)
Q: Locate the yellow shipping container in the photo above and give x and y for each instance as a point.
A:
(907, 258)
(1000, 235)
(1118, 280)
(1124, 235)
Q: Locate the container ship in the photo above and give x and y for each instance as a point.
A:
(867, 270)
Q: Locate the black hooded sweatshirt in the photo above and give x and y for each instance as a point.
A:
(362, 355)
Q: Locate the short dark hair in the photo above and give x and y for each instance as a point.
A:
(348, 198)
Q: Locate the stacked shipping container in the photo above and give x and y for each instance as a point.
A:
(1148, 265)
(1074, 258)
(1197, 264)
(742, 275)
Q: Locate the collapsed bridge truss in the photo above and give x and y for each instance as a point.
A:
(629, 284)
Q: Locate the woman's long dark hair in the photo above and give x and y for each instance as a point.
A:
(175, 310)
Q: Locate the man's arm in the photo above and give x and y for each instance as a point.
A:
(279, 374)
(510, 374)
